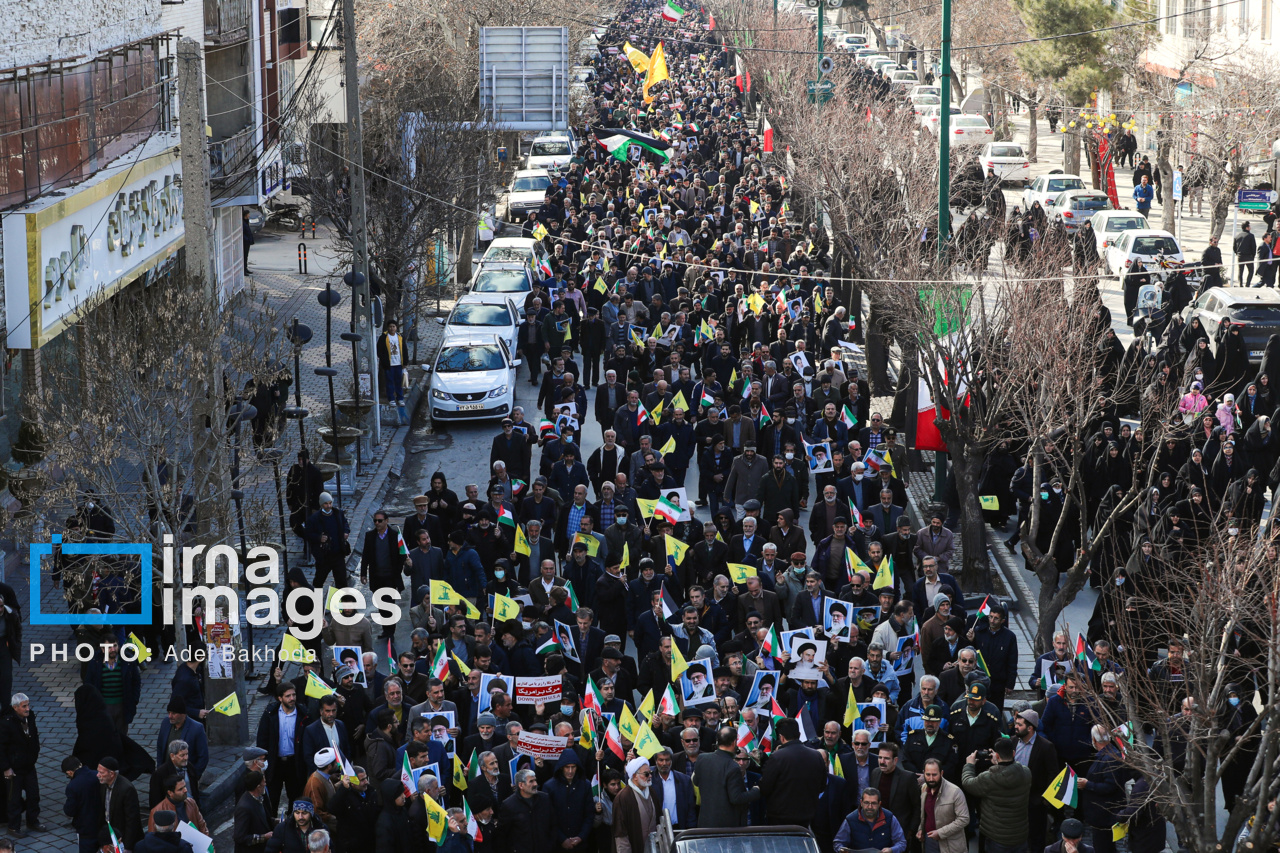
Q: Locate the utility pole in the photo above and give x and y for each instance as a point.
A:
(944, 197)
(361, 302)
(210, 478)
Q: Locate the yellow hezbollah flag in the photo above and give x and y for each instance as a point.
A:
(291, 649)
(522, 544)
(229, 706)
(628, 724)
(443, 593)
(657, 71)
(676, 549)
(459, 773)
(316, 689)
(645, 708)
(540, 232)
(646, 506)
(646, 743)
(462, 667)
(669, 447)
(679, 402)
(437, 819)
(678, 663)
(884, 574)
(638, 60)
(505, 609)
(144, 653)
(850, 709)
(739, 572)
(991, 502)
(592, 543)
(626, 555)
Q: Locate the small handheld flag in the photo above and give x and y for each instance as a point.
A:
(678, 663)
(229, 706)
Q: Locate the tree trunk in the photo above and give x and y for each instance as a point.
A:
(1033, 132)
(1218, 211)
(1071, 157)
(877, 354)
(967, 469)
(1164, 145)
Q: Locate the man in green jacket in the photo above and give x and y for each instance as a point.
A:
(1005, 790)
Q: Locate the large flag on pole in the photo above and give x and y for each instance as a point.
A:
(768, 136)
(638, 60)
(657, 67)
(672, 12)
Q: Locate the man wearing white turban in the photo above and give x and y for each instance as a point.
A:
(634, 815)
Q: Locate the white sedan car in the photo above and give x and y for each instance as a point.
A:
(931, 116)
(1007, 160)
(480, 314)
(1048, 187)
(472, 379)
(970, 130)
(1141, 244)
(1108, 225)
(920, 102)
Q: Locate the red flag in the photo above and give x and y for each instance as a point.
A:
(768, 137)
(711, 22)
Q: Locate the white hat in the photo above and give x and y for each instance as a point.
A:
(634, 766)
(324, 758)
(326, 498)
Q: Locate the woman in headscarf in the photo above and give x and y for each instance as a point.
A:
(1172, 455)
(1112, 469)
(1193, 403)
(1232, 359)
(1253, 403)
(96, 737)
(442, 502)
(1117, 541)
(1226, 414)
(1146, 515)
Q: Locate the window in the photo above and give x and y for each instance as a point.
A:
(1171, 22)
(1264, 30)
(1244, 16)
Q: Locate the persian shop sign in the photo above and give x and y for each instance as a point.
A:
(65, 250)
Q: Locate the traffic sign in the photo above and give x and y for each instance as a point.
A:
(1177, 186)
(1255, 199)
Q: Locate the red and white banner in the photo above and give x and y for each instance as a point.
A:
(543, 688)
(768, 136)
(541, 746)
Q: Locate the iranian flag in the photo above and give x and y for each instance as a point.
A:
(669, 705)
(847, 417)
(642, 415)
(854, 514)
(591, 697)
(613, 739)
(927, 435)
(768, 137)
(771, 644)
(406, 776)
(391, 658)
(666, 510)
(404, 549)
(618, 142)
(440, 662)
(672, 12)
(766, 739)
(746, 739)
(473, 826)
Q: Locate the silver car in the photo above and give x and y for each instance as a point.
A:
(472, 379)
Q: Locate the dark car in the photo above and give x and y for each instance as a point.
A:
(1255, 309)
(748, 839)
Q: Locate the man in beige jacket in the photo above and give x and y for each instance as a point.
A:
(944, 814)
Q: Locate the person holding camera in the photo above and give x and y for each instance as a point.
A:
(1005, 791)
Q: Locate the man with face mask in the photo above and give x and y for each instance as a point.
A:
(327, 533)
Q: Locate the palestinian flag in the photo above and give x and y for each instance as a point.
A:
(391, 659)
(771, 645)
(765, 418)
(504, 517)
(671, 12)
(666, 510)
(440, 662)
(618, 141)
(984, 609)
(847, 418)
(551, 645)
(707, 398)
(1062, 791)
(1085, 656)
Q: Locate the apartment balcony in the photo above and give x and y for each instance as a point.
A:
(226, 21)
(233, 166)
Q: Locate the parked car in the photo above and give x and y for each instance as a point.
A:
(900, 82)
(483, 313)
(550, 151)
(970, 130)
(1046, 187)
(1256, 310)
(1109, 224)
(496, 277)
(1007, 160)
(1145, 244)
(527, 191)
(931, 116)
(524, 250)
(919, 102)
(1073, 208)
(853, 41)
(472, 379)
(926, 89)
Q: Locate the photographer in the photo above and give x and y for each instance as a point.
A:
(1005, 792)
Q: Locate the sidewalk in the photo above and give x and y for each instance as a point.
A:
(51, 685)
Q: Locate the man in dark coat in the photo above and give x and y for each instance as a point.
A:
(999, 648)
(83, 803)
(119, 806)
(512, 449)
(1041, 758)
(903, 799)
(525, 822)
(721, 783)
(572, 808)
(327, 533)
(19, 752)
(251, 821)
(793, 778)
(382, 565)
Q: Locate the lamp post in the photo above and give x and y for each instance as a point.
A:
(331, 298)
(944, 195)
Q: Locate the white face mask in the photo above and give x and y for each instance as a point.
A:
(790, 455)
(857, 478)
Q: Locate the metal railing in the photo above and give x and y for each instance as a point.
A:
(231, 157)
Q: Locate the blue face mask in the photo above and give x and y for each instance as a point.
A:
(1234, 700)
(499, 573)
(566, 710)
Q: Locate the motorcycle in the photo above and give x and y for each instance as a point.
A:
(286, 216)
